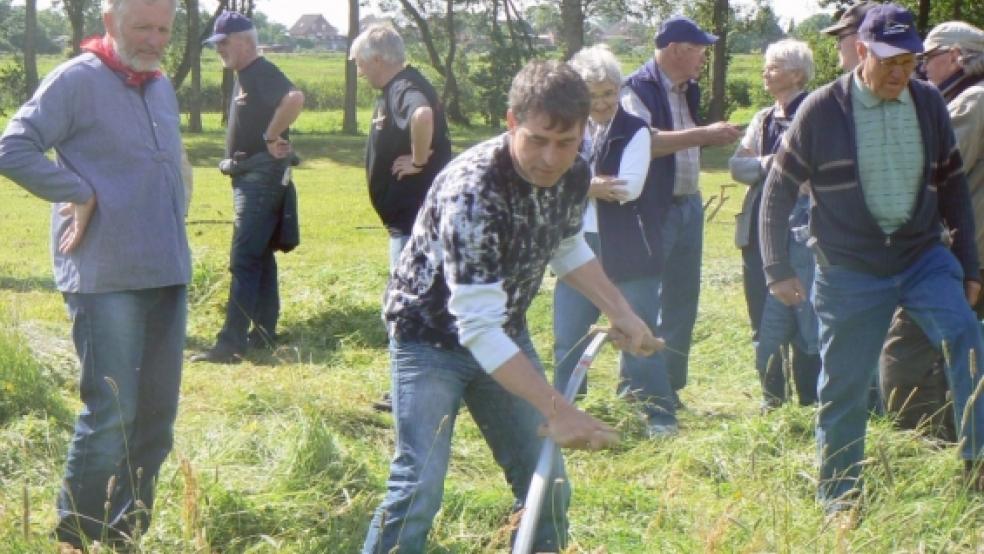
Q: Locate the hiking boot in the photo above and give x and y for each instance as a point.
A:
(384, 404)
(662, 430)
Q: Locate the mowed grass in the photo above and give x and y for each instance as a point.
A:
(284, 453)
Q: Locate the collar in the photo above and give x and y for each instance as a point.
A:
(668, 84)
(868, 98)
(102, 47)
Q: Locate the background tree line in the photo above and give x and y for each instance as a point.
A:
(470, 48)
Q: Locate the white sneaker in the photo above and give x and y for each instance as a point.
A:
(662, 430)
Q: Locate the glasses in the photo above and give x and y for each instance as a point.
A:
(926, 56)
(905, 62)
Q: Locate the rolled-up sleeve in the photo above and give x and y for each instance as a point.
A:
(572, 253)
(474, 276)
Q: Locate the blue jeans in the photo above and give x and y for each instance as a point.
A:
(683, 240)
(429, 384)
(396, 245)
(798, 325)
(642, 379)
(254, 299)
(130, 345)
(855, 310)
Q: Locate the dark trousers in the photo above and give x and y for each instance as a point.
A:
(913, 379)
(254, 298)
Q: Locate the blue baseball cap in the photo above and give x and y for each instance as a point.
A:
(682, 29)
(890, 30)
(228, 23)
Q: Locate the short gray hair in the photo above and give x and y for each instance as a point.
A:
(597, 64)
(379, 40)
(792, 55)
(971, 62)
(119, 7)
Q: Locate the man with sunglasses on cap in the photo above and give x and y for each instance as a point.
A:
(846, 33)
(911, 369)
(886, 182)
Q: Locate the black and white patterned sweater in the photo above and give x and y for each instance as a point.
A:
(478, 252)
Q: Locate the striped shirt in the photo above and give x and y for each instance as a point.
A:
(890, 154)
(687, 159)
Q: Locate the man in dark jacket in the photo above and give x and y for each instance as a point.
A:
(884, 174)
(664, 94)
(408, 141)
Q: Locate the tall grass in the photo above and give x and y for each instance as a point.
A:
(283, 453)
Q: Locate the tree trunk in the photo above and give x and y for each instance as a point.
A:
(572, 16)
(30, 48)
(922, 19)
(719, 69)
(350, 122)
(193, 50)
(75, 11)
(452, 94)
(957, 10)
(451, 98)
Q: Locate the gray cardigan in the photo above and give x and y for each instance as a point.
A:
(120, 143)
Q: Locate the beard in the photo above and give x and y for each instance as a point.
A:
(131, 58)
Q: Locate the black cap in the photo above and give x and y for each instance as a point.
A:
(850, 20)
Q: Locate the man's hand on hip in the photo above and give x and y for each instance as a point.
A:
(279, 148)
(973, 291)
(79, 214)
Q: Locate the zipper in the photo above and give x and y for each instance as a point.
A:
(642, 231)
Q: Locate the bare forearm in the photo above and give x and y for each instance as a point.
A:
(421, 134)
(590, 280)
(286, 113)
(665, 143)
(519, 377)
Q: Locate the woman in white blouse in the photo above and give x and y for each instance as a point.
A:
(618, 227)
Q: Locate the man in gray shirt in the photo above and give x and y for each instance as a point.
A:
(121, 258)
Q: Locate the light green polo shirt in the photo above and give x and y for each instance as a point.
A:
(890, 154)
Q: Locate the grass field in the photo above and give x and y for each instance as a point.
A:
(283, 453)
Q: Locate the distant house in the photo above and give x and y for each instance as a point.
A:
(315, 28)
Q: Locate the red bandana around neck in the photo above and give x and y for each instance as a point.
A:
(102, 47)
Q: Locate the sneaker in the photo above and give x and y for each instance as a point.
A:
(217, 355)
(842, 520)
(662, 430)
(384, 404)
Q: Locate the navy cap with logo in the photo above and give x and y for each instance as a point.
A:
(682, 29)
(890, 30)
(227, 23)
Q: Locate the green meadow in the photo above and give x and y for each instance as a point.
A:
(284, 453)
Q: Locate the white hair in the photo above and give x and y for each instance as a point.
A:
(971, 62)
(379, 40)
(597, 64)
(119, 7)
(792, 55)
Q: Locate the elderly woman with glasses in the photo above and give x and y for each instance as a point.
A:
(619, 226)
(788, 67)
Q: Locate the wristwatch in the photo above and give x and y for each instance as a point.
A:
(421, 166)
(269, 140)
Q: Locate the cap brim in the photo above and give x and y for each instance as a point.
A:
(214, 38)
(711, 39)
(836, 28)
(883, 50)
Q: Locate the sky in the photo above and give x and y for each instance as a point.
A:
(336, 11)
